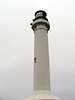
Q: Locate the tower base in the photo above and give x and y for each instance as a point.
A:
(42, 95)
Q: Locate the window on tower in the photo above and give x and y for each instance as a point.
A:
(34, 59)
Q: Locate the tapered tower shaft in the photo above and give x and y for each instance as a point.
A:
(40, 27)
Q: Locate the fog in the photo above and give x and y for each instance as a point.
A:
(17, 47)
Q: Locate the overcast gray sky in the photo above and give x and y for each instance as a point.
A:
(17, 47)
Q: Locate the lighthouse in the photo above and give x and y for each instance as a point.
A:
(41, 86)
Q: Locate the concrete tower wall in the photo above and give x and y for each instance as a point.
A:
(41, 58)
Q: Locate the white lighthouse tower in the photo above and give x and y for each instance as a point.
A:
(41, 27)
